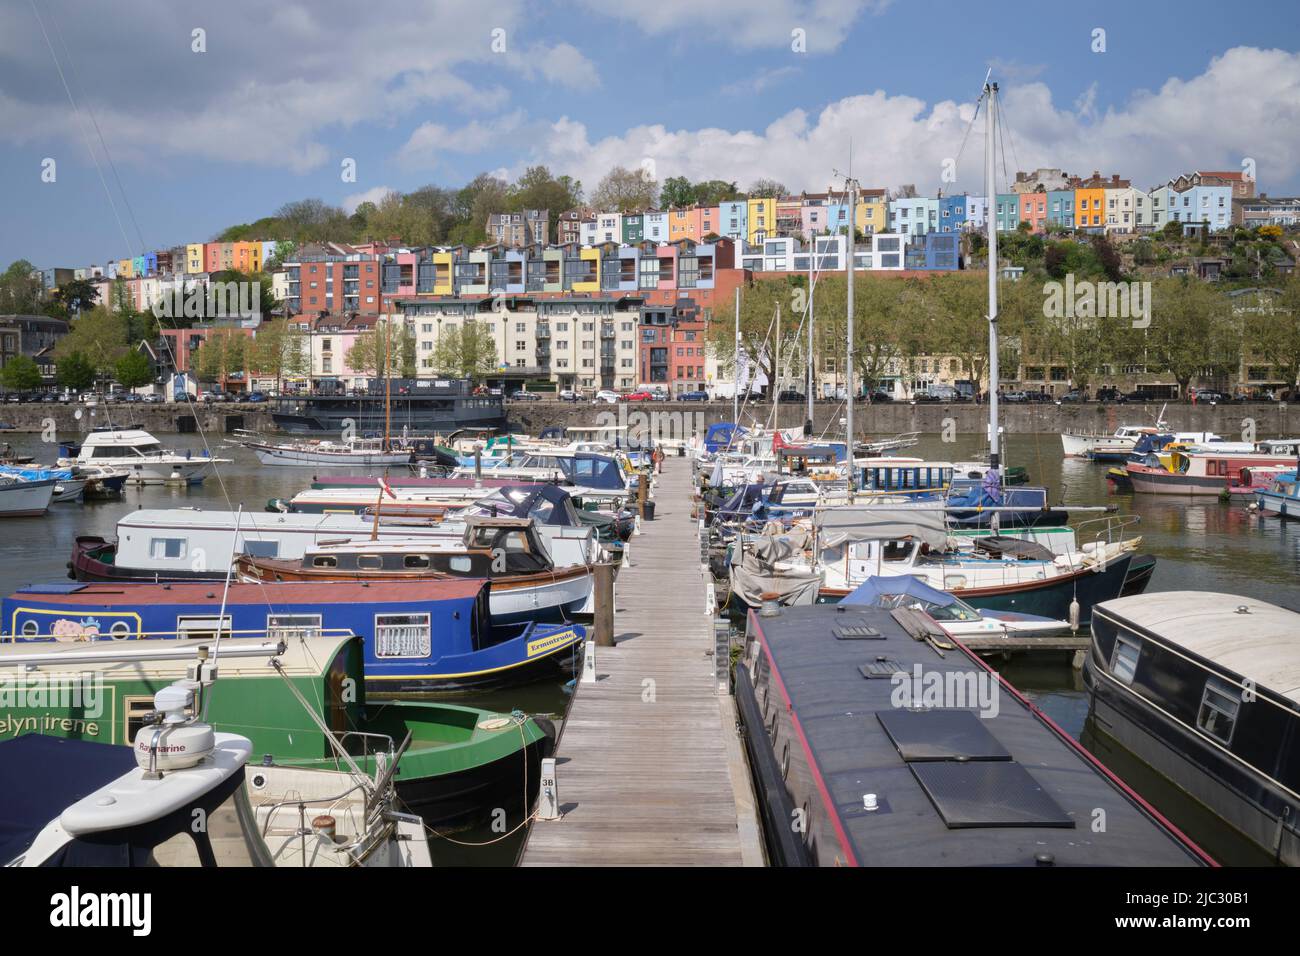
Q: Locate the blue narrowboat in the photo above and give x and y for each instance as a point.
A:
(421, 638)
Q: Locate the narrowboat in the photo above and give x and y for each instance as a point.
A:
(526, 585)
(887, 746)
(1204, 688)
(458, 764)
(421, 637)
(1281, 497)
(419, 406)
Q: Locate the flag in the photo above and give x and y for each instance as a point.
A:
(386, 488)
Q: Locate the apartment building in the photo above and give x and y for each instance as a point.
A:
(528, 227)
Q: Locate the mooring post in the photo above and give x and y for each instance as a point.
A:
(603, 618)
(642, 489)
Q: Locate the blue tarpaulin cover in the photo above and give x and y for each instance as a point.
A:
(873, 588)
(43, 775)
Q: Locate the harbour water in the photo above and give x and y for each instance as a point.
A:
(1202, 544)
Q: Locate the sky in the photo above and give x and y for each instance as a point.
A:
(193, 131)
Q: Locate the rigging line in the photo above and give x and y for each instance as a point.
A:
(969, 126)
(1003, 121)
(89, 146)
(72, 63)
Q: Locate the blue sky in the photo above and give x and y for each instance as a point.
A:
(415, 93)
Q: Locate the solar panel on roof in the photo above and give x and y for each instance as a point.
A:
(941, 735)
(988, 793)
(880, 667)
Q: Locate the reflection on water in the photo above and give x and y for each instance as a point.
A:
(1202, 545)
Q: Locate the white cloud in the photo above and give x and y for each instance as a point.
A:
(563, 65)
(901, 139)
(375, 195)
(759, 82)
(428, 140)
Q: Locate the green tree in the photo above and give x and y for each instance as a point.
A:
(1276, 337)
(133, 370)
(711, 192)
(277, 351)
(74, 371)
(767, 189)
(221, 353)
(759, 301)
(20, 374)
(396, 340)
(100, 336)
(1192, 331)
(467, 351)
(20, 290)
(626, 190)
(677, 193)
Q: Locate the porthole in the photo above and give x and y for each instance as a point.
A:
(120, 630)
(30, 629)
(785, 761)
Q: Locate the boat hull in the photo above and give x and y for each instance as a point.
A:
(1049, 598)
(23, 499)
(185, 471)
(307, 458)
(1079, 446)
(1158, 482)
(1277, 505)
(1223, 786)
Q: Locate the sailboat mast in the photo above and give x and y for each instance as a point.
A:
(812, 282)
(735, 393)
(776, 373)
(848, 370)
(990, 216)
(388, 408)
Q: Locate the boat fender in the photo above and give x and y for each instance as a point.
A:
(1074, 615)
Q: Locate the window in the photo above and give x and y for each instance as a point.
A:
(402, 635)
(369, 562)
(166, 548)
(1124, 658)
(416, 561)
(324, 561)
(1219, 704)
(203, 627)
(292, 626)
(262, 549)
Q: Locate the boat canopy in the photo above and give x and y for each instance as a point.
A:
(547, 503)
(43, 775)
(722, 435)
(877, 590)
(882, 523)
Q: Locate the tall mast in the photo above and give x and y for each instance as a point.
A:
(388, 411)
(735, 392)
(776, 373)
(812, 280)
(990, 215)
(848, 371)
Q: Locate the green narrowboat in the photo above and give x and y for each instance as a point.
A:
(462, 763)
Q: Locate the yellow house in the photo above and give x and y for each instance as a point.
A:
(443, 266)
(1089, 208)
(872, 215)
(125, 268)
(194, 258)
(762, 219)
(593, 256)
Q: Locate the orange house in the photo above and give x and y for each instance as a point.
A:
(1089, 208)
(1033, 210)
(684, 224)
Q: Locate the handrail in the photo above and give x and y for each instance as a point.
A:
(271, 633)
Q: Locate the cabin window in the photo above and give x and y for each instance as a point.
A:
(120, 630)
(402, 635)
(1124, 658)
(135, 709)
(31, 628)
(896, 550)
(166, 548)
(460, 564)
(416, 562)
(1218, 714)
(324, 561)
(262, 549)
(204, 627)
(370, 562)
(284, 627)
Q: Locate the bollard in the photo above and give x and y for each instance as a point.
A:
(589, 662)
(603, 618)
(642, 491)
(548, 794)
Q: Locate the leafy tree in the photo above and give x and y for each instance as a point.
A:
(277, 351)
(538, 189)
(74, 371)
(100, 336)
(1276, 337)
(75, 297)
(626, 190)
(1191, 331)
(711, 192)
(221, 353)
(466, 351)
(20, 374)
(767, 189)
(284, 251)
(370, 348)
(758, 328)
(20, 290)
(678, 193)
(133, 370)
(1108, 257)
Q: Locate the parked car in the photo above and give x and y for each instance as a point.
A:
(568, 395)
(658, 395)
(256, 397)
(1111, 395)
(878, 397)
(1015, 397)
(606, 396)
(523, 395)
(700, 396)
(1140, 395)
(790, 395)
(1212, 396)
(153, 398)
(1071, 397)
(638, 396)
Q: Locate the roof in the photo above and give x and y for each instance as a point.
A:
(1260, 643)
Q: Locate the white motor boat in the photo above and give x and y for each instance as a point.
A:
(143, 458)
(22, 497)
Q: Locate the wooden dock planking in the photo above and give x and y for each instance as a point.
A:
(662, 781)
